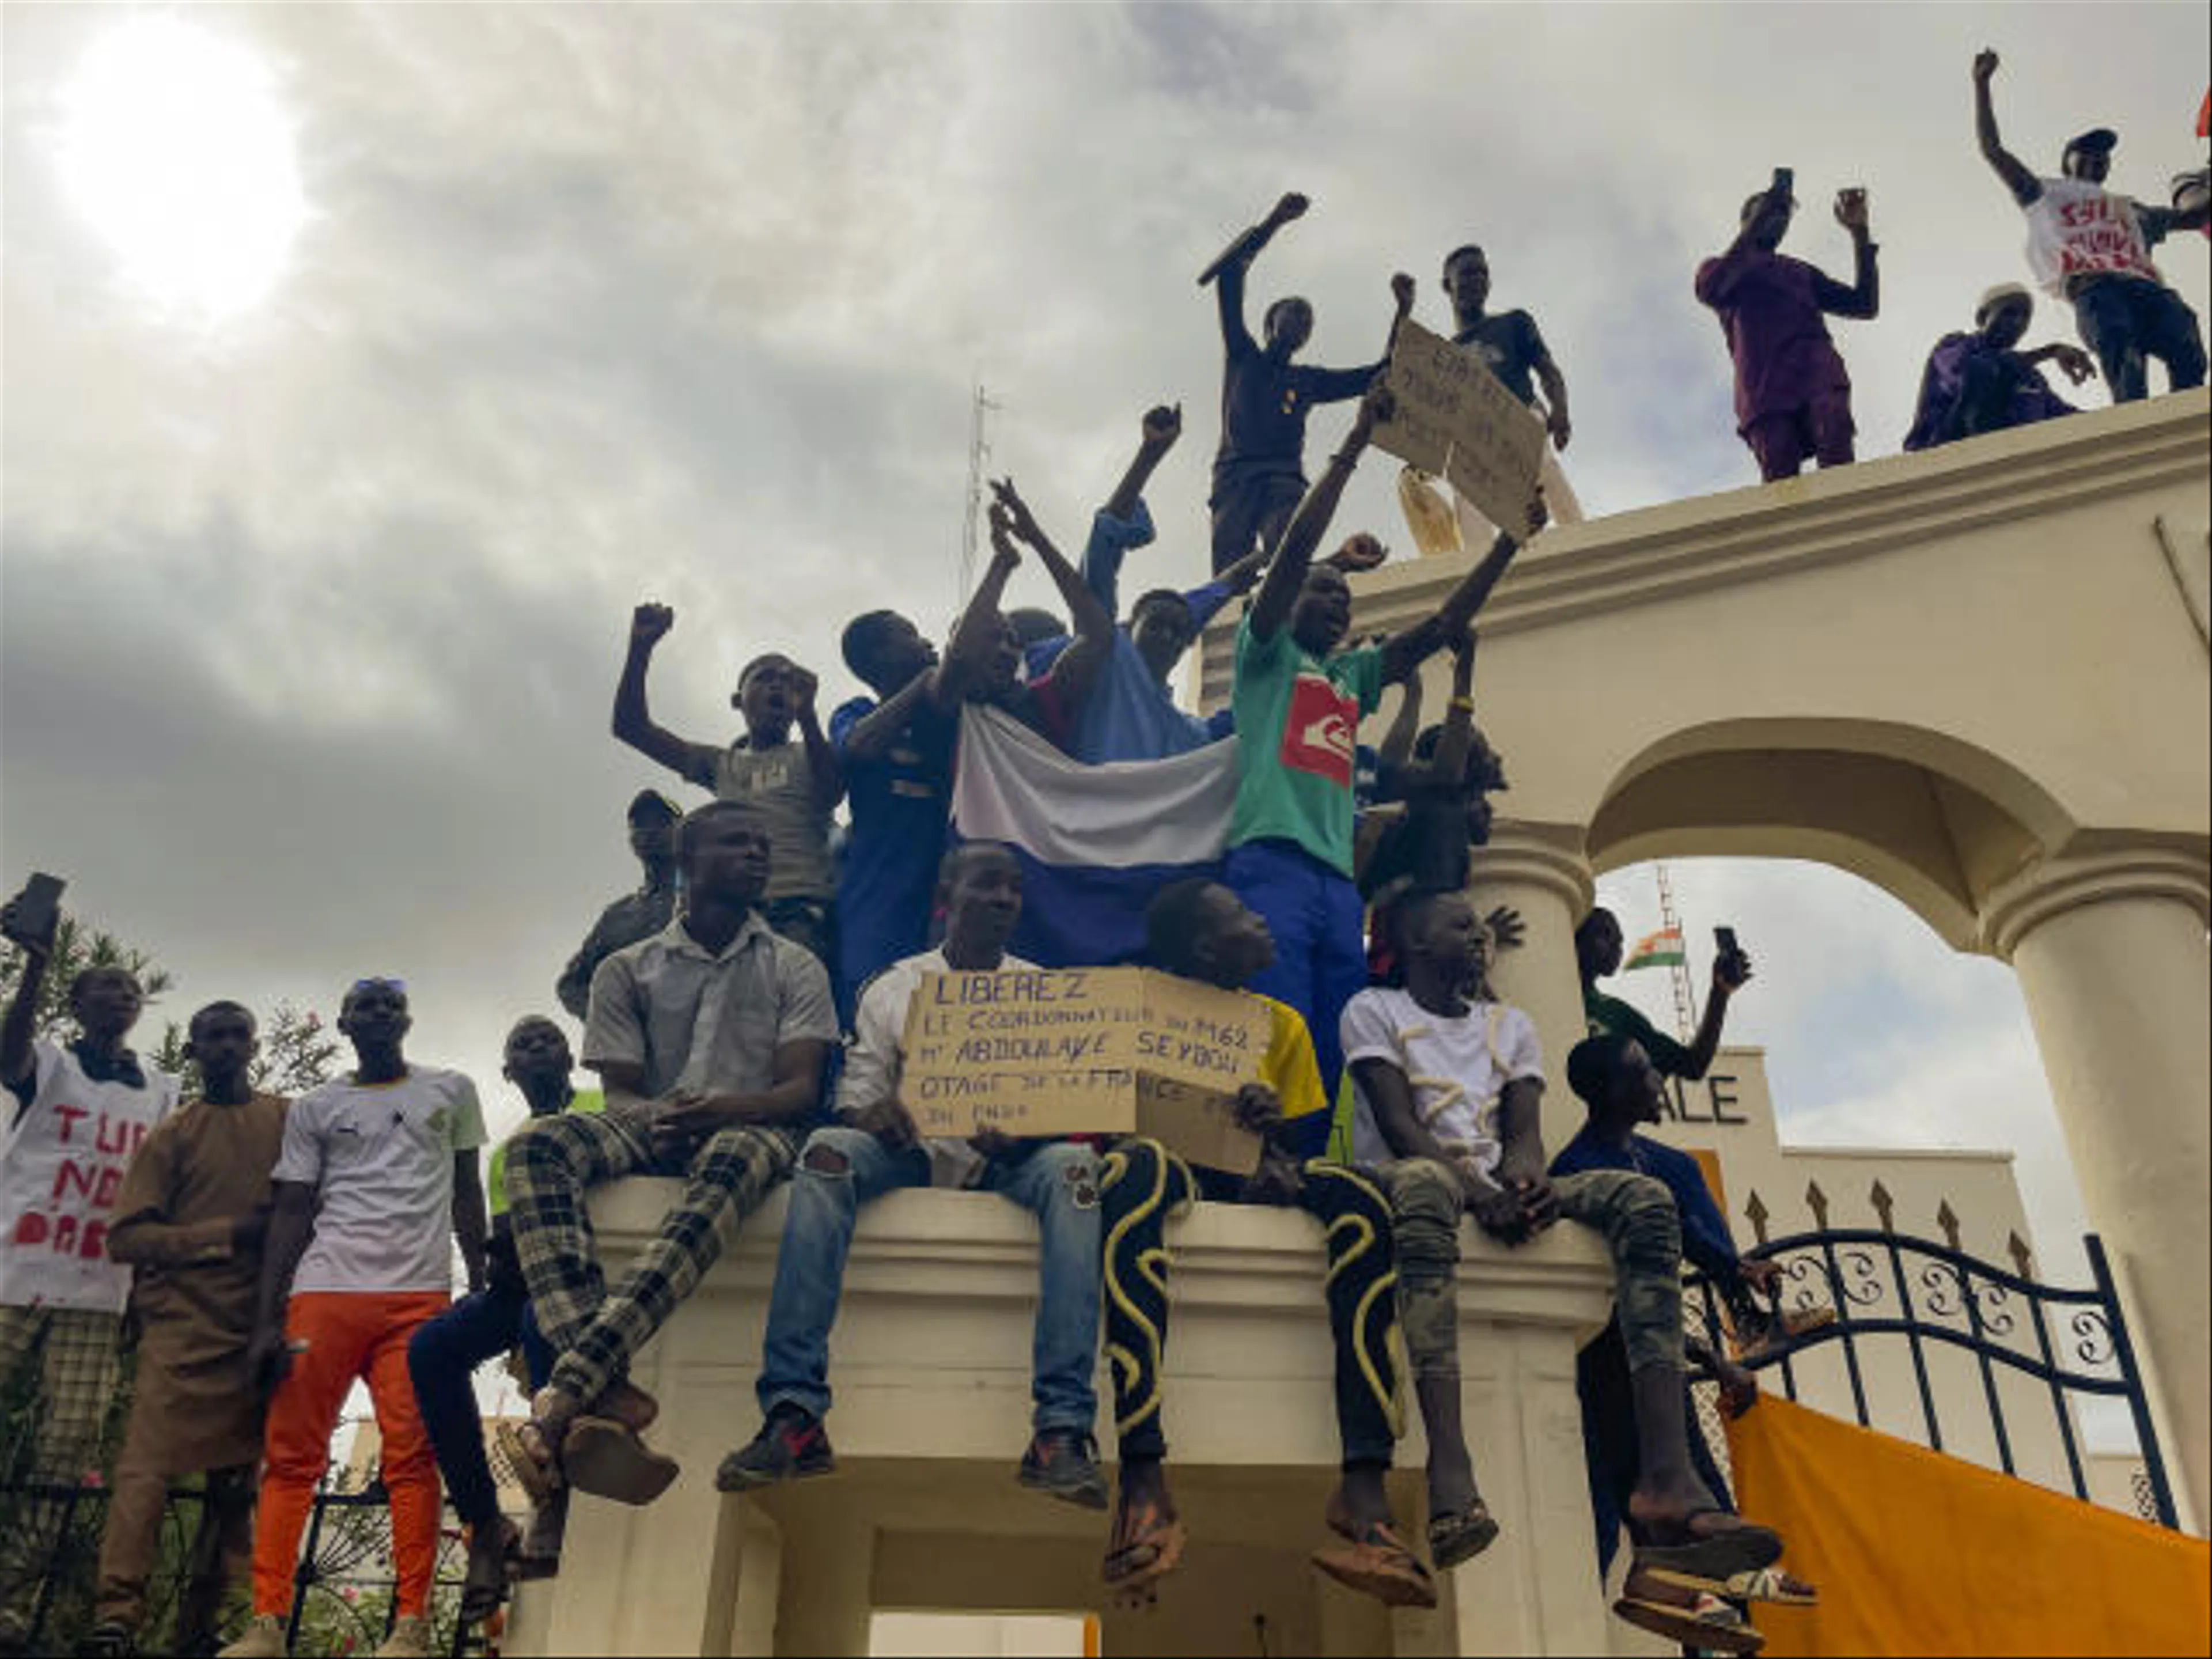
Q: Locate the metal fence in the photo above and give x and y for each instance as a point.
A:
(344, 1598)
(1888, 1288)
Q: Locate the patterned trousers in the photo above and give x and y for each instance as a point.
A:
(1146, 1185)
(554, 1162)
(75, 1351)
(1635, 1213)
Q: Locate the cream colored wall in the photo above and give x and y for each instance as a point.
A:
(1976, 677)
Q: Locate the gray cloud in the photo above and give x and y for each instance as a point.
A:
(308, 622)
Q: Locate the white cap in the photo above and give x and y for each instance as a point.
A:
(1992, 298)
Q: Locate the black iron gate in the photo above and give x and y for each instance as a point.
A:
(1888, 1287)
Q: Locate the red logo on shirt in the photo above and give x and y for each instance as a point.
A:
(1319, 732)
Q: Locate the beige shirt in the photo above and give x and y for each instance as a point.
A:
(693, 1019)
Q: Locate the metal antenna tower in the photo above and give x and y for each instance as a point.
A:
(1686, 1003)
(979, 451)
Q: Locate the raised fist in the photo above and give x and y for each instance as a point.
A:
(1986, 66)
(649, 623)
(1163, 425)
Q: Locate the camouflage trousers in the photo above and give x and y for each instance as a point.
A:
(1634, 1213)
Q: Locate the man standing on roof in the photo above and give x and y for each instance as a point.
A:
(2092, 246)
(1793, 395)
(1259, 473)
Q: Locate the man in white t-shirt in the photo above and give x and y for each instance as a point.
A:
(2092, 246)
(71, 1118)
(1449, 1094)
(378, 1170)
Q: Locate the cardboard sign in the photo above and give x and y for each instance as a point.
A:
(1085, 1051)
(1454, 418)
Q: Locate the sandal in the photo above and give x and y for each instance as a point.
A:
(1158, 1538)
(1705, 1560)
(484, 1587)
(606, 1459)
(1770, 1584)
(532, 1457)
(1706, 1625)
(628, 1405)
(1375, 1561)
(1454, 1539)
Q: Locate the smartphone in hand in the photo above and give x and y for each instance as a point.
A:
(1724, 940)
(36, 911)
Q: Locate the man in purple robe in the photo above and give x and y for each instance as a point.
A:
(1793, 397)
(1978, 382)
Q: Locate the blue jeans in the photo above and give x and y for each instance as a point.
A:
(1320, 951)
(2128, 320)
(1058, 1183)
(442, 1357)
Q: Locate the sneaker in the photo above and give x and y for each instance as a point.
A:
(110, 1638)
(790, 1446)
(1064, 1466)
(262, 1640)
(409, 1639)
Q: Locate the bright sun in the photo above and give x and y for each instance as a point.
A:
(173, 146)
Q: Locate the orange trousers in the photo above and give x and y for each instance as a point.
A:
(348, 1334)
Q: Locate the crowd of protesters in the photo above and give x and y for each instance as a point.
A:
(744, 1010)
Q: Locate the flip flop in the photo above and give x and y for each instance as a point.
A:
(1714, 1628)
(1770, 1584)
(1375, 1561)
(606, 1459)
(539, 1477)
(1707, 1560)
(1163, 1535)
(1160, 1540)
(1454, 1539)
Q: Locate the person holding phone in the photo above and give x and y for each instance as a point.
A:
(1598, 946)
(1793, 395)
(80, 1109)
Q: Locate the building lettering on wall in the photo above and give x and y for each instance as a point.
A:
(1712, 1100)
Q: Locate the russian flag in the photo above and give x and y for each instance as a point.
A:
(1095, 843)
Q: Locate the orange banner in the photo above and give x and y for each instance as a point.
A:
(1915, 1553)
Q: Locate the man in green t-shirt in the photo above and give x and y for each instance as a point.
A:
(1598, 945)
(1299, 703)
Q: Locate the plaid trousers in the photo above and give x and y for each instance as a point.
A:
(78, 1374)
(554, 1162)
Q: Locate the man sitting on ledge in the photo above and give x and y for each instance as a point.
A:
(874, 1149)
(1201, 931)
(710, 1039)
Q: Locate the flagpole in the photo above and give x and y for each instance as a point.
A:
(1686, 1004)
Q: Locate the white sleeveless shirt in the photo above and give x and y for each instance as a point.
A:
(2076, 229)
(61, 1164)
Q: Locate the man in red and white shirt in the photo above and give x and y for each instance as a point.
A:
(2092, 246)
(72, 1115)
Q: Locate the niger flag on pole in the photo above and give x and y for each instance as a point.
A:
(1661, 950)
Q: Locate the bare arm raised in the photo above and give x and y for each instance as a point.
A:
(2024, 185)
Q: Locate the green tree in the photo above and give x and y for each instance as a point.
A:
(78, 946)
(298, 1052)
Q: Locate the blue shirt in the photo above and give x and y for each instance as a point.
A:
(1130, 715)
(900, 803)
(1705, 1238)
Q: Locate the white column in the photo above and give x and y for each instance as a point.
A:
(1539, 870)
(2111, 959)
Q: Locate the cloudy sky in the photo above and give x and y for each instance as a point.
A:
(364, 366)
